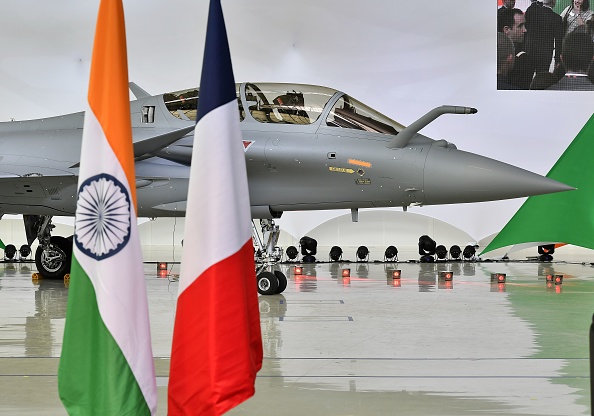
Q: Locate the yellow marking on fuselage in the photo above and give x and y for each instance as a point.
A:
(341, 170)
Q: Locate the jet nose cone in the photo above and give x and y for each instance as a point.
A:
(453, 176)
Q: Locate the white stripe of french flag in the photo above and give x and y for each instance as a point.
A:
(217, 344)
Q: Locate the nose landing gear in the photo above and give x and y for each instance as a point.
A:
(266, 256)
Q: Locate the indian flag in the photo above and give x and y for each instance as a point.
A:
(106, 367)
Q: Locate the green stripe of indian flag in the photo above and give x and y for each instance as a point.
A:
(107, 333)
(97, 376)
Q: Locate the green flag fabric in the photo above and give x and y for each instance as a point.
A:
(564, 217)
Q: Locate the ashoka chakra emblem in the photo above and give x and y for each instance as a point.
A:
(102, 222)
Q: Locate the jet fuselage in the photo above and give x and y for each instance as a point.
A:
(306, 148)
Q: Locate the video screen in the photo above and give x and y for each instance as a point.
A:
(545, 45)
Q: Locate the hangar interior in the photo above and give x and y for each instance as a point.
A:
(362, 343)
(366, 344)
(161, 238)
(344, 338)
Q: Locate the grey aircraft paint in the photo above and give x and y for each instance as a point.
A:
(307, 148)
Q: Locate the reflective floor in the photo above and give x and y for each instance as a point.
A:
(364, 345)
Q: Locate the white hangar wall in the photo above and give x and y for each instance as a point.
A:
(161, 238)
(378, 229)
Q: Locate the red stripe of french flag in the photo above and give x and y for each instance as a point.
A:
(217, 345)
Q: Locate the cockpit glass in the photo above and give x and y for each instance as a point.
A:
(286, 103)
(184, 104)
(352, 114)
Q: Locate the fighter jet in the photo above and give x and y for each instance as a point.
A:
(306, 147)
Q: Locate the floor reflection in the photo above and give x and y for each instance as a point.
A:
(51, 299)
(37, 309)
(427, 277)
(307, 281)
(370, 344)
(493, 346)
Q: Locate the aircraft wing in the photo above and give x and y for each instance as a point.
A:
(155, 143)
(56, 195)
(43, 195)
(150, 145)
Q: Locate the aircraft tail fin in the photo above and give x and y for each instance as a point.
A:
(137, 91)
(560, 217)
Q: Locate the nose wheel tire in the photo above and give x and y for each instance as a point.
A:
(271, 283)
(282, 281)
(267, 283)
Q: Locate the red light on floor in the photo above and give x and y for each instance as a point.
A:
(554, 287)
(346, 272)
(498, 287)
(396, 274)
(397, 282)
(447, 276)
(346, 280)
(162, 273)
(297, 271)
(558, 279)
(161, 266)
(498, 277)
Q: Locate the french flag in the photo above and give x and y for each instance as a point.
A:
(217, 344)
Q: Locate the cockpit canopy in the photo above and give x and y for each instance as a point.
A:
(286, 103)
(292, 104)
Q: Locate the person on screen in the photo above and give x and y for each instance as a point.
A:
(577, 55)
(543, 80)
(512, 23)
(507, 5)
(576, 15)
(544, 34)
(506, 56)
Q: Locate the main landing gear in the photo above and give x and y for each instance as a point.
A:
(54, 253)
(266, 256)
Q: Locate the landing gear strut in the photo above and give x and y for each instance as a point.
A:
(54, 253)
(266, 256)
